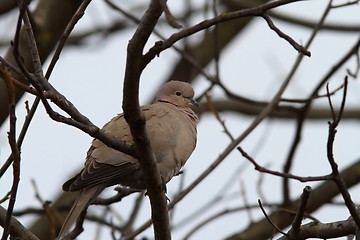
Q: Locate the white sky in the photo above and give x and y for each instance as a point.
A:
(254, 65)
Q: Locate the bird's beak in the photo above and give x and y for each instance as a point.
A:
(194, 102)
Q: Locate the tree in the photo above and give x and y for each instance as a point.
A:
(243, 114)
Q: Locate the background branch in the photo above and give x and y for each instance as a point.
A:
(254, 90)
(320, 195)
(16, 228)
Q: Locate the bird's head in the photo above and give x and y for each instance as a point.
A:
(177, 93)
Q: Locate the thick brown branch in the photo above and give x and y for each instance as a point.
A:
(300, 214)
(325, 230)
(319, 196)
(17, 230)
(134, 67)
(282, 112)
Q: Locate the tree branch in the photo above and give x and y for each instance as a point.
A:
(134, 117)
(281, 34)
(282, 112)
(293, 233)
(325, 230)
(224, 17)
(320, 195)
(15, 151)
(54, 17)
(17, 230)
(330, 154)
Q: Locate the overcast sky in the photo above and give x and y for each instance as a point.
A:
(254, 65)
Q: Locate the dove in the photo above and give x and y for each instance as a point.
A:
(171, 129)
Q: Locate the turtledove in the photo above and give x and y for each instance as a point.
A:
(171, 128)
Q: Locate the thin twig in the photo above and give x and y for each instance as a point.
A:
(255, 11)
(34, 106)
(246, 201)
(216, 43)
(64, 37)
(15, 151)
(134, 214)
(259, 168)
(210, 106)
(169, 17)
(330, 154)
(349, 3)
(6, 197)
(40, 83)
(357, 69)
(301, 114)
(281, 34)
(47, 207)
(269, 220)
(218, 197)
(317, 96)
(219, 214)
(190, 59)
(318, 230)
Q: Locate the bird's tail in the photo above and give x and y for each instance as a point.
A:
(81, 203)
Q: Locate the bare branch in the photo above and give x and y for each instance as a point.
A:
(269, 220)
(169, 17)
(255, 11)
(355, 73)
(349, 3)
(302, 113)
(295, 228)
(48, 209)
(333, 92)
(330, 154)
(210, 106)
(6, 197)
(134, 117)
(320, 195)
(325, 230)
(246, 201)
(281, 174)
(64, 37)
(134, 214)
(121, 193)
(17, 230)
(222, 213)
(15, 151)
(281, 34)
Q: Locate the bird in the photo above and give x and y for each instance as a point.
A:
(171, 129)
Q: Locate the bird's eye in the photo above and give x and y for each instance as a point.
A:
(178, 93)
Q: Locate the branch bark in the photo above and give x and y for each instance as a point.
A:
(135, 64)
(50, 19)
(17, 230)
(282, 112)
(319, 197)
